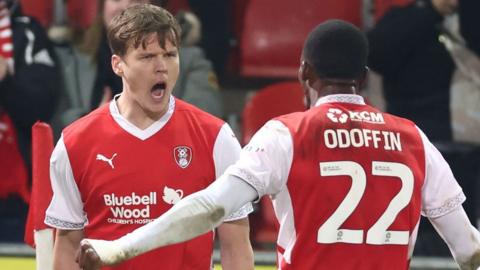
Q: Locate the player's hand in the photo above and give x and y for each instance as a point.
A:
(3, 68)
(94, 253)
(445, 7)
(87, 258)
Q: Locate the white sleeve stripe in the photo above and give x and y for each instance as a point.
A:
(248, 178)
(441, 193)
(61, 224)
(243, 212)
(446, 208)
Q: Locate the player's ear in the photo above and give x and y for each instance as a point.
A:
(306, 72)
(117, 65)
(302, 71)
(363, 78)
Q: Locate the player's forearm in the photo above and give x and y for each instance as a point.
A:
(235, 248)
(461, 237)
(66, 244)
(192, 216)
(238, 260)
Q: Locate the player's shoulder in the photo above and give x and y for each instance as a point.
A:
(201, 117)
(388, 122)
(293, 117)
(294, 120)
(88, 122)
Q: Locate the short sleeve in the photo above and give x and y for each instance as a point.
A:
(226, 152)
(441, 192)
(266, 161)
(66, 208)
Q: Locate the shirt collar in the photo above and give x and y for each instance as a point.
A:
(134, 130)
(342, 98)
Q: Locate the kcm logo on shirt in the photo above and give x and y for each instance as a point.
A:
(340, 116)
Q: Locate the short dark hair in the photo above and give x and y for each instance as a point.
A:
(337, 50)
(136, 23)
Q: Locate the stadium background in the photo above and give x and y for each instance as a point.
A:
(254, 65)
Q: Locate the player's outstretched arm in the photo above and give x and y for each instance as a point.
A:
(191, 217)
(462, 238)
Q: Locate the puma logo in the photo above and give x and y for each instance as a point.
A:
(108, 160)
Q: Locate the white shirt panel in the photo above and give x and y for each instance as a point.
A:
(441, 193)
(413, 240)
(66, 208)
(226, 152)
(287, 234)
(265, 162)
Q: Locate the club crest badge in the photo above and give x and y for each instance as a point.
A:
(183, 156)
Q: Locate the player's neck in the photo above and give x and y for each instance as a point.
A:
(337, 89)
(135, 114)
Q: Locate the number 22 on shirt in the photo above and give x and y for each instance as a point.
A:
(330, 231)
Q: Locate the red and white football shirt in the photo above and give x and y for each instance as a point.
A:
(110, 177)
(348, 184)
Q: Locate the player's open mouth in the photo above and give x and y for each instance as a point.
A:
(158, 90)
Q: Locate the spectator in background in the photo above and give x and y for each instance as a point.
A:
(469, 21)
(197, 83)
(29, 80)
(462, 40)
(28, 92)
(416, 68)
(88, 79)
(215, 16)
(216, 31)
